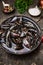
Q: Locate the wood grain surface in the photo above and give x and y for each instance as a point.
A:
(35, 58)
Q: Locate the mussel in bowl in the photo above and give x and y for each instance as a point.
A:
(24, 35)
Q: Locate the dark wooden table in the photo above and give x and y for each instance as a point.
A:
(35, 58)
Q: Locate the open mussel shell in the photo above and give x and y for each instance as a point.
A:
(22, 36)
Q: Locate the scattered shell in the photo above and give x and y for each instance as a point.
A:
(33, 64)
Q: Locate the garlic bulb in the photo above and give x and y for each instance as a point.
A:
(4, 4)
(34, 11)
